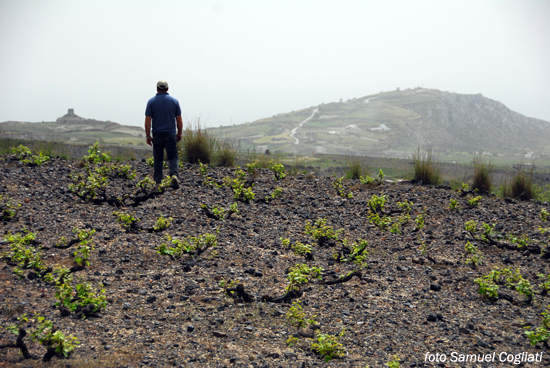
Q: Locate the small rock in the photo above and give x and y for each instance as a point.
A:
(190, 328)
(482, 344)
(151, 299)
(435, 287)
(432, 317)
(219, 334)
(289, 355)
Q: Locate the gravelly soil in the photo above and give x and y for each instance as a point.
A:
(416, 296)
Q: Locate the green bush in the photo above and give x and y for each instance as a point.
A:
(426, 168)
(520, 186)
(483, 175)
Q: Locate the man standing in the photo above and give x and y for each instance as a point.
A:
(165, 113)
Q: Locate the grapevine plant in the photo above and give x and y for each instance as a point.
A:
(8, 209)
(489, 284)
(542, 333)
(22, 253)
(321, 232)
(95, 156)
(25, 155)
(328, 346)
(192, 245)
(301, 274)
(85, 246)
(55, 342)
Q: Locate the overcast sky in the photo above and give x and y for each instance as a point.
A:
(238, 61)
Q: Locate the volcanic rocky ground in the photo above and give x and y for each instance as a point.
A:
(416, 296)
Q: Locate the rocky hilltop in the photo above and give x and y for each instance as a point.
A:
(474, 123)
(402, 285)
(398, 122)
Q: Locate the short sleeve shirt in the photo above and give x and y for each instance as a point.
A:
(163, 110)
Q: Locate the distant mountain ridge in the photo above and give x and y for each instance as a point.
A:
(73, 128)
(396, 122)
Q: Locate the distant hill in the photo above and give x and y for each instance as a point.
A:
(73, 128)
(396, 123)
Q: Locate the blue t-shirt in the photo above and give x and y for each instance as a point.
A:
(163, 108)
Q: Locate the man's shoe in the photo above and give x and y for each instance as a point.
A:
(175, 182)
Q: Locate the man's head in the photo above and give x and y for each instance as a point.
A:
(162, 86)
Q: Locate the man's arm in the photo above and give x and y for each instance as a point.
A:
(148, 130)
(179, 122)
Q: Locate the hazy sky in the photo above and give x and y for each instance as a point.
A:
(238, 61)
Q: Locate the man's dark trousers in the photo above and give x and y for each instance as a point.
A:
(162, 141)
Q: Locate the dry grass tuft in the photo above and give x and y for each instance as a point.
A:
(483, 175)
(198, 144)
(520, 186)
(426, 168)
(356, 167)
